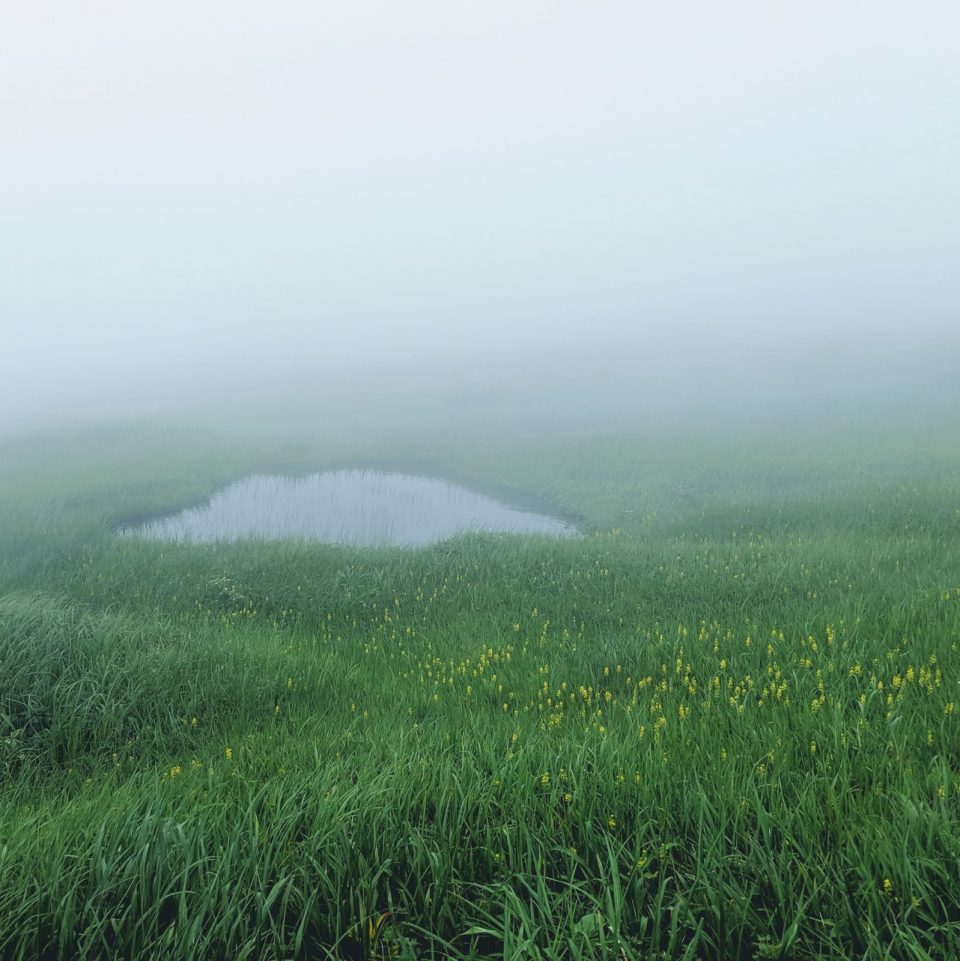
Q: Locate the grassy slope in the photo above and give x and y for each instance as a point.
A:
(719, 726)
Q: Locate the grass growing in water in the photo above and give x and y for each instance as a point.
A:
(723, 725)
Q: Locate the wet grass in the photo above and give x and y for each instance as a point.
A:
(723, 725)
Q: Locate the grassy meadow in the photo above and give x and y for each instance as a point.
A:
(723, 724)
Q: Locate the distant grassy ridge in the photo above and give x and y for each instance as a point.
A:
(723, 724)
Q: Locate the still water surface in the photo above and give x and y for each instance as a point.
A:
(360, 507)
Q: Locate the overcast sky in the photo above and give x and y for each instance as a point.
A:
(189, 186)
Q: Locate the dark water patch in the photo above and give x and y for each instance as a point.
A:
(360, 507)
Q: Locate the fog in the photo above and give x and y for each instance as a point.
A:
(208, 204)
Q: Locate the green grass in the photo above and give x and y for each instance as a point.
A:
(720, 725)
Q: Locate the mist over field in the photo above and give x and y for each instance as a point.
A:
(206, 204)
(480, 481)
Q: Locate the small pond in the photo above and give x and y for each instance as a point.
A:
(361, 507)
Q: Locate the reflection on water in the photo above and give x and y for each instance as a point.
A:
(346, 507)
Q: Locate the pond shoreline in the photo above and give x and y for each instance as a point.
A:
(360, 507)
